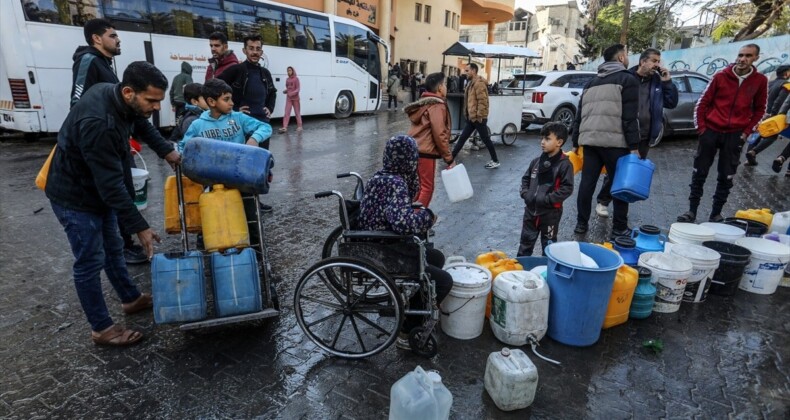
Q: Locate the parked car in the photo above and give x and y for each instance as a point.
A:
(680, 120)
(550, 95)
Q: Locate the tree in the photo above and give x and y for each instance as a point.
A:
(744, 21)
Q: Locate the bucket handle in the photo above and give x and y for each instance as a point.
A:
(564, 275)
(136, 153)
(455, 259)
(745, 223)
(459, 308)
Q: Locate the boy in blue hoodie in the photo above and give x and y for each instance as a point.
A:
(221, 122)
(195, 105)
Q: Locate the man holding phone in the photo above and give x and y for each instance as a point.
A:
(656, 92)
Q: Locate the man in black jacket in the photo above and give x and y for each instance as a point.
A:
(90, 188)
(92, 65)
(775, 100)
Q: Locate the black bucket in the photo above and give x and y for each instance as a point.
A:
(753, 228)
(734, 259)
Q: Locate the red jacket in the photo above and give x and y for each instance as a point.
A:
(217, 65)
(727, 107)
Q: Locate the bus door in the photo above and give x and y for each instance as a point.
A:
(374, 71)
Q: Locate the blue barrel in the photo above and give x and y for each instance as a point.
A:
(237, 287)
(627, 249)
(531, 262)
(233, 165)
(632, 178)
(178, 287)
(579, 295)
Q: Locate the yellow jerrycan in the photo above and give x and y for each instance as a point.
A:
(192, 192)
(758, 215)
(625, 282)
(224, 222)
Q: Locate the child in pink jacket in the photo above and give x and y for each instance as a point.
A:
(291, 100)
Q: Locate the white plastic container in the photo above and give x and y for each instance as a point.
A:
(766, 267)
(690, 233)
(670, 274)
(456, 182)
(567, 252)
(704, 261)
(511, 379)
(140, 179)
(420, 395)
(781, 223)
(724, 232)
(784, 240)
(466, 303)
(520, 307)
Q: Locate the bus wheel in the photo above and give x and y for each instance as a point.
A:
(344, 104)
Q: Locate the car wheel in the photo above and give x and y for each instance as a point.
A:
(344, 104)
(564, 115)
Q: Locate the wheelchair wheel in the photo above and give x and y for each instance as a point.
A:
(346, 324)
(429, 349)
(329, 250)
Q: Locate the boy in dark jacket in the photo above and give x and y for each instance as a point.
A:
(195, 105)
(546, 184)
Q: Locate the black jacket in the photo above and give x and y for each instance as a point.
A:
(90, 170)
(90, 67)
(236, 76)
(775, 107)
(547, 183)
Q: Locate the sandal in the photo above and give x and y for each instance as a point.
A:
(777, 165)
(282, 130)
(145, 301)
(116, 336)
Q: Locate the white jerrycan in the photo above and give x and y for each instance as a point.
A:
(420, 395)
(511, 379)
(456, 182)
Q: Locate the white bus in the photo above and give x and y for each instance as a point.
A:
(337, 59)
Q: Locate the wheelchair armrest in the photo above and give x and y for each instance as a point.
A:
(375, 234)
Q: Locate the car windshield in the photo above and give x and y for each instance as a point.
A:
(527, 81)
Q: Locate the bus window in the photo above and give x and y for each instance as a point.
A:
(128, 15)
(240, 21)
(269, 21)
(74, 12)
(294, 31)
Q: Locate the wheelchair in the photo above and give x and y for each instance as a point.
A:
(354, 301)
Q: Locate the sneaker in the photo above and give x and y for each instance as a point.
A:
(135, 255)
(492, 165)
(718, 218)
(751, 159)
(620, 233)
(776, 166)
(403, 342)
(299, 128)
(687, 217)
(282, 130)
(266, 208)
(601, 210)
(580, 228)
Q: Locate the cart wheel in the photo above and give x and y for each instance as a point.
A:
(431, 347)
(509, 134)
(376, 294)
(275, 297)
(348, 324)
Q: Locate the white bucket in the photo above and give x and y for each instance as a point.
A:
(689, 233)
(519, 307)
(464, 309)
(670, 274)
(140, 180)
(705, 261)
(725, 232)
(784, 240)
(765, 269)
(456, 183)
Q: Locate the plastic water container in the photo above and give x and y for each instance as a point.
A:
(783, 239)
(644, 295)
(690, 233)
(463, 310)
(576, 161)
(223, 219)
(753, 228)
(781, 223)
(734, 260)
(764, 216)
(766, 267)
(567, 252)
(620, 300)
(239, 166)
(626, 247)
(632, 178)
(520, 307)
(704, 263)
(498, 267)
(579, 295)
(237, 286)
(192, 192)
(537, 265)
(670, 274)
(456, 183)
(511, 379)
(420, 395)
(725, 232)
(649, 239)
(179, 287)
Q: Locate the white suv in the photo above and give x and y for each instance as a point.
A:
(550, 95)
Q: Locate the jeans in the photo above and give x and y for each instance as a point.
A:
(710, 143)
(761, 144)
(482, 129)
(596, 158)
(391, 99)
(96, 245)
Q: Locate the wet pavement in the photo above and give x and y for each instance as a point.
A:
(727, 357)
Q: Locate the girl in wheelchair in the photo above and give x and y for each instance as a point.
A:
(387, 206)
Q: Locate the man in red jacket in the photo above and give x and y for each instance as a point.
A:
(726, 114)
(221, 56)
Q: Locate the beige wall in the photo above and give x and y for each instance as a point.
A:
(421, 41)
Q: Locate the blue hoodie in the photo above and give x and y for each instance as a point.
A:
(235, 127)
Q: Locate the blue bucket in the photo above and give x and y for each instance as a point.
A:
(632, 178)
(579, 295)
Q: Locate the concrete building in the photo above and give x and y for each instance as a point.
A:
(551, 31)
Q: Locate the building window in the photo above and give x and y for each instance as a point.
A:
(535, 36)
(518, 26)
(553, 49)
(418, 12)
(447, 22)
(427, 14)
(463, 38)
(456, 18)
